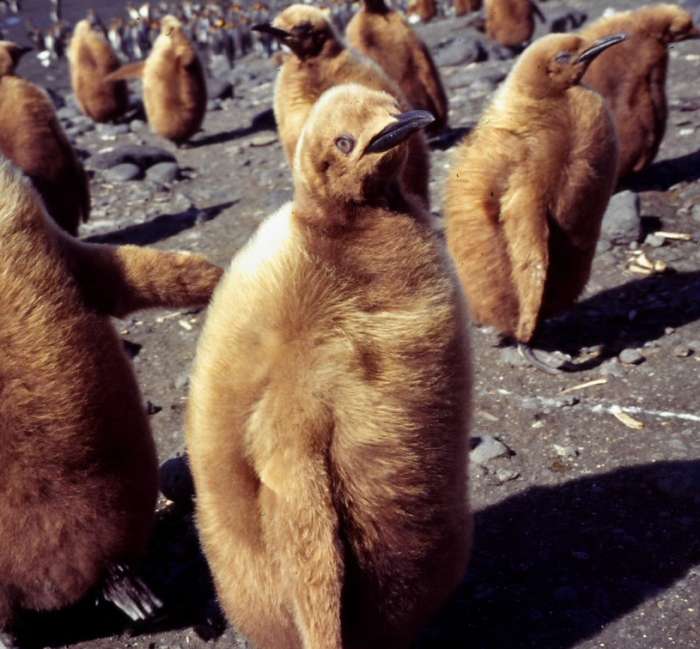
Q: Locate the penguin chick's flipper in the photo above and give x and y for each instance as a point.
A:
(118, 280)
(126, 590)
(126, 72)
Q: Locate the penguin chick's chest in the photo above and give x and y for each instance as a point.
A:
(318, 327)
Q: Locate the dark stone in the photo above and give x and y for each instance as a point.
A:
(461, 51)
(621, 223)
(141, 156)
(566, 20)
(219, 89)
(176, 481)
(163, 172)
(122, 173)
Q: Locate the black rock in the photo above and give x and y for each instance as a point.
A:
(567, 20)
(141, 156)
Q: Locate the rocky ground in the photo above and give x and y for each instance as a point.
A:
(586, 497)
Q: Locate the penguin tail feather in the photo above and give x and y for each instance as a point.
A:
(128, 592)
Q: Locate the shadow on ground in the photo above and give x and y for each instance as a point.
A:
(628, 315)
(554, 565)
(662, 175)
(264, 121)
(161, 227)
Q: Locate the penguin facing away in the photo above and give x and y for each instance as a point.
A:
(174, 84)
(79, 475)
(320, 60)
(632, 77)
(328, 421)
(528, 188)
(91, 59)
(385, 37)
(511, 23)
(33, 139)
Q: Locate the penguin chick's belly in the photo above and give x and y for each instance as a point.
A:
(313, 395)
(79, 476)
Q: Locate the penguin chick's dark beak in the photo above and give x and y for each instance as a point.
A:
(406, 124)
(600, 46)
(266, 28)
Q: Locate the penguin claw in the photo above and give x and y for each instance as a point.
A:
(528, 354)
(126, 590)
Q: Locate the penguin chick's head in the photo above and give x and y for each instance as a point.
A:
(305, 30)
(10, 54)
(353, 145)
(169, 24)
(555, 63)
(670, 24)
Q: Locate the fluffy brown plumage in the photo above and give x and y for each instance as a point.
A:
(174, 85)
(632, 77)
(32, 138)
(319, 61)
(328, 420)
(463, 7)
(511, 23)
(91, 59)
(79, 468)
(385, 37)
(528, 188)
(424, 9)
(10, 56)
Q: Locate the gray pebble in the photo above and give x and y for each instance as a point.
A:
(122, 173)
(564, 451)
(603, 246)
(654, 241)
(511, 356)
(67, 112)
(182, 381)
(137, 125)
(141, 156)
(695, 212)
(631, 357)
(213, 105)
(622, 223)
(111, 130)
(163, 172)
(612, 368)
(79, 129)
(682, 351)
(489, 448)
(506, 475)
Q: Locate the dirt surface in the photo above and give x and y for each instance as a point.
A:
(587, 527)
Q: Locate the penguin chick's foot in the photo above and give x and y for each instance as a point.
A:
(529, 355)
(7, 640)
(126, 590)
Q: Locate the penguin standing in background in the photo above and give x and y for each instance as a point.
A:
(384, 36)
(91, 59)
(463, 7)
(328, 420)
(528, 189)
(319, 61)
(174, 85)
(632, 77)
(79, 475)
(33, 139)
(511, 23)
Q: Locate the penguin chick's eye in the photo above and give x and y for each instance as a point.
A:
(563, 58)
(345, 144)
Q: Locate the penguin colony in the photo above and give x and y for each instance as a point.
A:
(346, 530)
(329, 418)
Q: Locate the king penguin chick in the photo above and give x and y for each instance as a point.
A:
(174, 85)
(528, 188)
(319, 61)
(79, 475)
(328, 420)
(511, 23)
(91, 59)
(632, 77)
(32, 138)
(384, 36)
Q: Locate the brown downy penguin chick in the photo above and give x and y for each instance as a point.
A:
(33, 139)
(328, 420)
(423, 9)
(511, 23)
(79, 469)
(632, 77)
(463, 7)
(174, 86)
(385, 37)
(528, 188)
(91, 59)
(319, 61)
